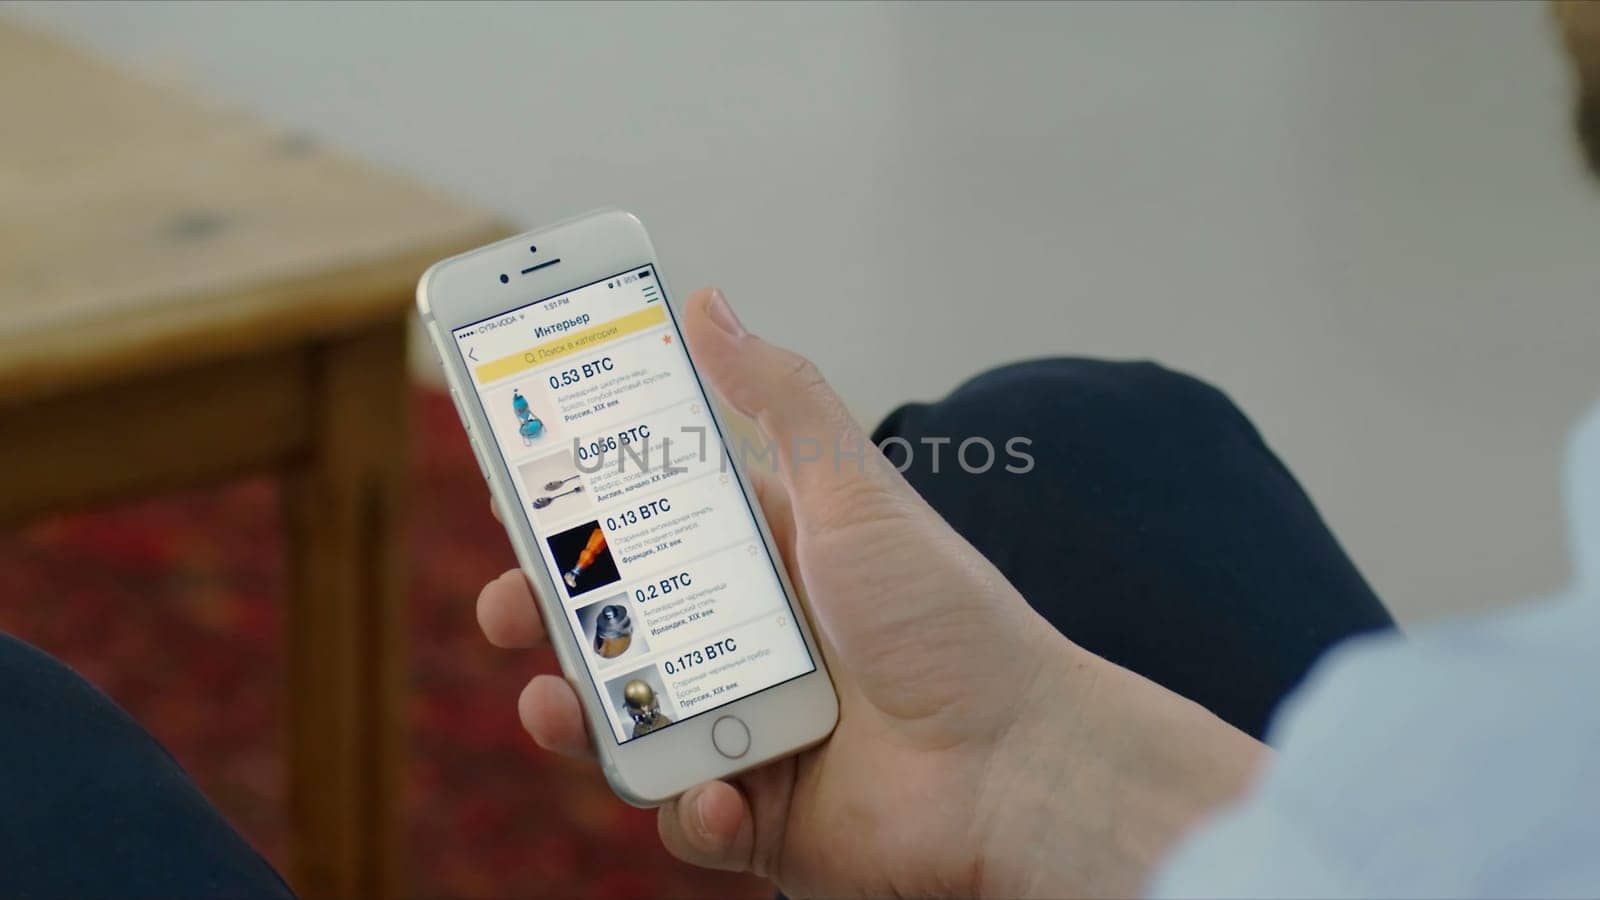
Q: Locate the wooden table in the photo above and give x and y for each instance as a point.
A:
(238, 299)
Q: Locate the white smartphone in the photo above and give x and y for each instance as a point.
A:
(661, 589)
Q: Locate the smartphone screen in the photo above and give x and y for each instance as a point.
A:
(603, 426)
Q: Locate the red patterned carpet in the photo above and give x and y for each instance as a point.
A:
(171, 607)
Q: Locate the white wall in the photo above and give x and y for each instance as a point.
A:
(1364, 221)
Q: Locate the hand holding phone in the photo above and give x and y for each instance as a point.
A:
(953, 691)
(978, 752)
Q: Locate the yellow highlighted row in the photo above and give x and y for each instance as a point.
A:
(567, 344)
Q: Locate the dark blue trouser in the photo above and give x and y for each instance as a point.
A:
(1155, 528)
(92, 807)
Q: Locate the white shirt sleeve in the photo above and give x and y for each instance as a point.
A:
(1462, 762)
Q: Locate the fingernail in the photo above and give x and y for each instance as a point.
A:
(697, 805)
(722, 314)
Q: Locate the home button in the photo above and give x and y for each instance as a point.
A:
(730, 737)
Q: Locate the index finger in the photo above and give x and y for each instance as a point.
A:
(509, 614)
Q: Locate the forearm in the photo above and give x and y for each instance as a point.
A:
(1098, 784)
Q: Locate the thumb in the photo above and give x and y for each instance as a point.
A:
(819, 447)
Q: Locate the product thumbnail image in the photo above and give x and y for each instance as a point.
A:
(584, 559)
(525, 419)
(547, 499)
(613, 632)
(529, 426)
(639, 698)
(555, 489)
(610, 630)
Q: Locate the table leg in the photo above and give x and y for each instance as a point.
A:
(346, 620)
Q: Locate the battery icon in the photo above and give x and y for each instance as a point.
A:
(645, 274)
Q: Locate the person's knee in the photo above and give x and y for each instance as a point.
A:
(1095, 382)
(46, 699)
(1086, 404)
(30, 677)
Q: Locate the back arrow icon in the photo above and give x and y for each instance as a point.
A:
(472, 354)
